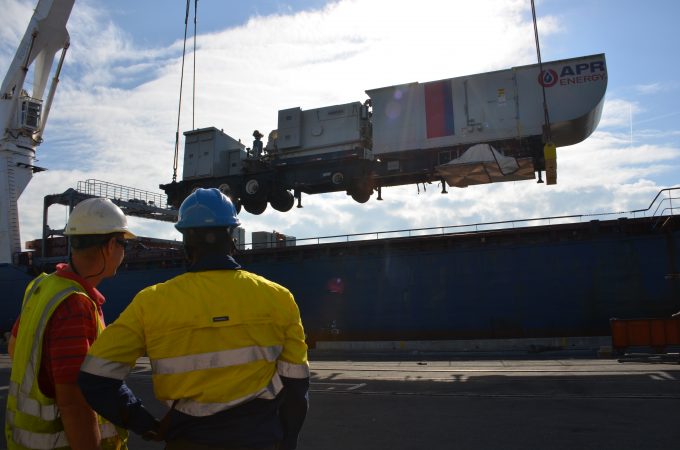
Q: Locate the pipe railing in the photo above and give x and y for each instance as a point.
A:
(661, 206)
(115, 191)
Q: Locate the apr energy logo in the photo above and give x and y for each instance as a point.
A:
(574, 74)
(548, 78)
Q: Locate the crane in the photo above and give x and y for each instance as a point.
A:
(23, 115)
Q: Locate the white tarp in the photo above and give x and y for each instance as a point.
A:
(482, 164)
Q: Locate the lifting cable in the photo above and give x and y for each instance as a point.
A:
(546, 116)
(181, 82)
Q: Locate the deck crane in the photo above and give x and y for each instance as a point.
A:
(23, 116)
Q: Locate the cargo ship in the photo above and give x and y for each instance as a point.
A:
(514, 279)
(547, 277)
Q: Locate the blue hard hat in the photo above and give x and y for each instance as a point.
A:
(207, 208)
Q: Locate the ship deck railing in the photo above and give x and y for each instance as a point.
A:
(666, 203)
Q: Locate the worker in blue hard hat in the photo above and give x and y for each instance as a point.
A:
(226, 346)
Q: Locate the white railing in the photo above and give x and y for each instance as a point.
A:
(666, 203)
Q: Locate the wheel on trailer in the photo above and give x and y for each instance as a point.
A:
(175, 199)
(254, 196)
(226, 190)
(360, 197)
(255, 206)
(281, 200)
(254, 189)
(337, 178)
(361, 190)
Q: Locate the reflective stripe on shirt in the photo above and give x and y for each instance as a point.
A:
(107, 430)
(50, 441)
(200, 409)
(212, 360)
(291, 370)
(105, 368)
(31, 406)
(39, 441)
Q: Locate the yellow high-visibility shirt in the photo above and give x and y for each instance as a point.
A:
(216, 339)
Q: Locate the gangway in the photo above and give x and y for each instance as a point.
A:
(134, 202)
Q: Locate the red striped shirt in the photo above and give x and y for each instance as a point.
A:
(69, 334)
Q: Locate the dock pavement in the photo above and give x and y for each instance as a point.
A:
(475, 402)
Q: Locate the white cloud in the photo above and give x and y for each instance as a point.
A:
(12, 31)
(116, 110)
(658, 118)
(651, 88)
(618, 113)
(656, 87)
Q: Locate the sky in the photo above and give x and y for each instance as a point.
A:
(115, 112)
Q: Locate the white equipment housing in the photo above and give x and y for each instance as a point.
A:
(490, 107)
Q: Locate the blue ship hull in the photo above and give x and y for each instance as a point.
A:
(548, 281)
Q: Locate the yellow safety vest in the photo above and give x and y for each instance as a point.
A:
(32, 420)
(216, 339)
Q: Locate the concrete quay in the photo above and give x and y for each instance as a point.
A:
(420, 401)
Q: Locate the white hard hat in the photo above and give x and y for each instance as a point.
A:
(97, 216)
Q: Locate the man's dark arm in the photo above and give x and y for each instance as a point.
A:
(293, 409)
(113, 400)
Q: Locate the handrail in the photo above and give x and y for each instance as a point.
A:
(115, 191)
(658, 194)
(475, 227)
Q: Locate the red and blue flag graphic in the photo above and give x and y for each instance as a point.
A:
(439, 109)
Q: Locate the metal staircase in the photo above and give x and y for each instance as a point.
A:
(662, 206)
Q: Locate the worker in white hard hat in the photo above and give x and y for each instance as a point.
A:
(61, 316)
